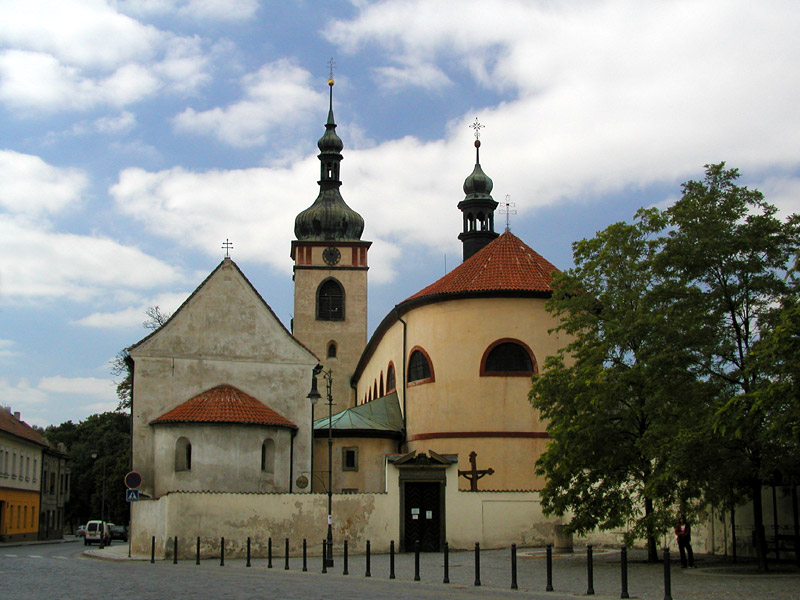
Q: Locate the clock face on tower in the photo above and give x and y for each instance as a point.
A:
(331, 255)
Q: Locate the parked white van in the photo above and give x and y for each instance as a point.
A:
(97, 531)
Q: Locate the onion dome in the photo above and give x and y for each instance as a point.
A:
(477, 207)
(329, 217)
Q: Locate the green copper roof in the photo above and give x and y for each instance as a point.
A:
(381, 414)
(329, 218)
(478, 185)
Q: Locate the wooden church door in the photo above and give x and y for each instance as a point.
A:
(423, 518)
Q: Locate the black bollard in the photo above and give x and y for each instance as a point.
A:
(153, 549)
(197, 552)
(269, 553)
(324, 556)
(416, 560)
(305, 557)
(477, 564)
(624, 567)
(286, 555)
(368, 573)
(175, 550)
(446, 563)
(549, 587)
(667, 576)
(222, 552)
(247, 564)
(391, 559)
(589, 570)
(514, 567)
(344, 559)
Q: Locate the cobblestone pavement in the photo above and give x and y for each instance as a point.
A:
(64, 571)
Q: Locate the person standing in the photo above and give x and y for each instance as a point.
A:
(683, 533)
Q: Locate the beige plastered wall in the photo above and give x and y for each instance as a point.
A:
(455, 334)
(370, 476)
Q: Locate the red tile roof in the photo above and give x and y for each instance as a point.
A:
(18, 428)
(224, 404)
(505, 264)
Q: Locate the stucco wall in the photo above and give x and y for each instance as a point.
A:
(370, 476)
(223, 334)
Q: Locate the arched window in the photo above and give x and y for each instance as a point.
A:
(390, 384)
(331, 349)
(375, 386)
(508, 358)
(420, 369)
(330, 301)
(380, 384)
(183, 455)
(268, 456)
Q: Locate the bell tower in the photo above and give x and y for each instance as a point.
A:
(478, 206)
(330, 273)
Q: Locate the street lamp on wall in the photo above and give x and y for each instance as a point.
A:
(314, 396)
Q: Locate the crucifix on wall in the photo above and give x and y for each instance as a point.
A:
(473, 474)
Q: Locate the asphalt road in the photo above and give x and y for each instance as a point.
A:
(62, 571)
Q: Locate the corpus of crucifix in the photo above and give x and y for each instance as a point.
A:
(221, 392)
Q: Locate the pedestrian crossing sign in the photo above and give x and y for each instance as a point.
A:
(131, 495)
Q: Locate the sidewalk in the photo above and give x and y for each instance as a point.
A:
(66, 540)
(715, 577)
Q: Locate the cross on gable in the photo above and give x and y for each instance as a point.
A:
(227, 245)
(473, 474)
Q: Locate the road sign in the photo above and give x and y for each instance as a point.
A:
(133, 480)
(131, 495)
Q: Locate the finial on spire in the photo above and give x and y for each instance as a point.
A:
(227, 245)
(331, 66)
(477, 126)
(507, 210)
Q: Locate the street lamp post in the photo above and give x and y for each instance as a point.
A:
(314, 396)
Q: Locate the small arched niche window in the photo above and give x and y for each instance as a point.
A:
(331, 349)
(268, 456)
(380, 385)
(390, 383)
(420, 369)
(508, 358)
(183, 455)
(330, 301)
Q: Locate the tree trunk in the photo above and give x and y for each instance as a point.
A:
(652, 550)
(758, 528)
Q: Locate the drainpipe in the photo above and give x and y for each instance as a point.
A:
(291, 461)
(405, 332)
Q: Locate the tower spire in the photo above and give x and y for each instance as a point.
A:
(329, 217)
(478, 206)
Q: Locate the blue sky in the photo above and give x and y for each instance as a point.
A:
(137, 135)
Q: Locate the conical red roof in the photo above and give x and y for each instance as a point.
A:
(505, 264)
(224, 404)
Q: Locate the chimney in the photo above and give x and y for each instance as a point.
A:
(16, 415)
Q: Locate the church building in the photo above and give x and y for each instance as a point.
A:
(428, 414)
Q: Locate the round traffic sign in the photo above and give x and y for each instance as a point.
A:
(133, 480)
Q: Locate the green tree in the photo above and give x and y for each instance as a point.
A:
(729, 252)
(619, 393)
(108, 436)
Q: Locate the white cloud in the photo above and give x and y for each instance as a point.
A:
(7, 349)
(83, 386)
(122, 123)
(277, 95)
(30, 186)
(40, 264)
(133, 316)
(20, 394)
(74, 55)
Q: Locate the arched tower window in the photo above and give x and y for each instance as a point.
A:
(330, 301)
(331, 349)
(420, 368)
(268, 456)
(380, 385)
(508, 358)
(183, 455)
(390, 381)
